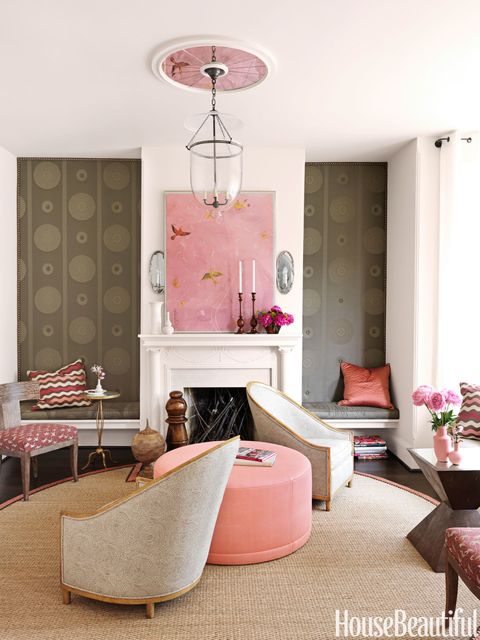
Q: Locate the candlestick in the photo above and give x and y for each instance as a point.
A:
(240, 321)
(253, 320)
(240, 269)
(253, 276)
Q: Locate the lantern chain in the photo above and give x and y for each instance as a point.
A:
(214, 80)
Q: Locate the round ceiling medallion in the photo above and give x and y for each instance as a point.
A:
(183, 63)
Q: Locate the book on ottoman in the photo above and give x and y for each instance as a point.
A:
(255, 457)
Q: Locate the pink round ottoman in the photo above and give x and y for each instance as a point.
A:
(266, 512)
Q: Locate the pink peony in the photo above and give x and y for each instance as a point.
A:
(436, 401)
(422, 394)
(451, 397)
(266, 320)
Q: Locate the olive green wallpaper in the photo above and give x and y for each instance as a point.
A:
(344, 273)
(78, 267)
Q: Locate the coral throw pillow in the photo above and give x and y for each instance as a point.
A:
(62, 388)
(366, 387)
(469, 414)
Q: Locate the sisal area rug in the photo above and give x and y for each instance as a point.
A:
(357, 560)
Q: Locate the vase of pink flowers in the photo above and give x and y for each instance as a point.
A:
(98, 370)
(440, 406)
(274, 319)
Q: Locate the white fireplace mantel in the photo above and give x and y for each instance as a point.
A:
(185, 360)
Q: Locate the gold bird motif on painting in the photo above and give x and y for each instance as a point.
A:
(176, 283)
(240, 204)
(212, 275)
(178, 232)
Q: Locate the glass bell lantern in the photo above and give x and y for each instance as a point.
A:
(215, 158)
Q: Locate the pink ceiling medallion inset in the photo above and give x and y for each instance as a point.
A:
(181, 64)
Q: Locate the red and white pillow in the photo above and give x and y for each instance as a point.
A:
(65, 387)
(469, 414)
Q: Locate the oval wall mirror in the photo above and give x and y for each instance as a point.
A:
(285, 271)
(157, 271)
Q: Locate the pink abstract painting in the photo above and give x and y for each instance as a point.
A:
(203, 251)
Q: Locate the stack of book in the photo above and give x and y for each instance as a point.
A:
(255, 457)
(370, 448)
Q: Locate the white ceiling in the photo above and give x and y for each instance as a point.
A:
(354, 79)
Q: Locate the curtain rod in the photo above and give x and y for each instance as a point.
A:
(440, 141)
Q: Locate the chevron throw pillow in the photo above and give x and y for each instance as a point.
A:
(469, 415)
(62, 388)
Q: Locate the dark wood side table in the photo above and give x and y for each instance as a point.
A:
(458, 487)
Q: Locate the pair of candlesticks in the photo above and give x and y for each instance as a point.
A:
(241, 321)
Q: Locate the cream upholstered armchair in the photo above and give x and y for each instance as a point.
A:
(280, 420)
(152, 545)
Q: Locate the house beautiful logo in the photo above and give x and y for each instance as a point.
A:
(401, 625)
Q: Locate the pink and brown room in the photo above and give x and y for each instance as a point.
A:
(239, 380)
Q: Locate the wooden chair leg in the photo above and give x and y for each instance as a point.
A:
(327, 505)
(350, 483)
(66, 596)
(25, 465)
(150, 610)
(451, 591)
(74, 460)
(35, 466)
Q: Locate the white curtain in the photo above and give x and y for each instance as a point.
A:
(458, 331)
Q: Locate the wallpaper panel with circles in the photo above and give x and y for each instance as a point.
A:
(344, 273)
(78, 267)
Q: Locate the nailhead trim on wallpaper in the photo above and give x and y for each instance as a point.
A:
(78, 267)
(344, 274)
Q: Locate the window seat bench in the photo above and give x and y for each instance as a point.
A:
(112, 410)
(122, 421)
(354, 418)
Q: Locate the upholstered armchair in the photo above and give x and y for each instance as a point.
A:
(28, 441)
(152, 545)
(280, 420)
(462, 559)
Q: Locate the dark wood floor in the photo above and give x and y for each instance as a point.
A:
(393, 469)
(55, 466)
(51, 467)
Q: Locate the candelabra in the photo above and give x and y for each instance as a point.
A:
(253, 320)
(240, 321)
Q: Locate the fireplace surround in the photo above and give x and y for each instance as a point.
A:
(185, 360)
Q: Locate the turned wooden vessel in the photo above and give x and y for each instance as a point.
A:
(147, 445)
(176, 409)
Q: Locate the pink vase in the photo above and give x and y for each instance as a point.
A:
(442, 445)
(456, 455)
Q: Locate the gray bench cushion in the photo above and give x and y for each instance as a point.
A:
(111, 410)
(332, 410)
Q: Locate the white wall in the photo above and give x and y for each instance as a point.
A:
(274, 169)
(426, 289)
(8, 262)
(401, 262)
(412, 286)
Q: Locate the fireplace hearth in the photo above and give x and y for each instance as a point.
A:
(218, 414)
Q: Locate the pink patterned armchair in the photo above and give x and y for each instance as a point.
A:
(462, 547)
(29, 441)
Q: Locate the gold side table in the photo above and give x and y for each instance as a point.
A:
(100, 423)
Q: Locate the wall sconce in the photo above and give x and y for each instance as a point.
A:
(156, 271)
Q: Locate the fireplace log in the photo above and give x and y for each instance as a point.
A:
(176, 408)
